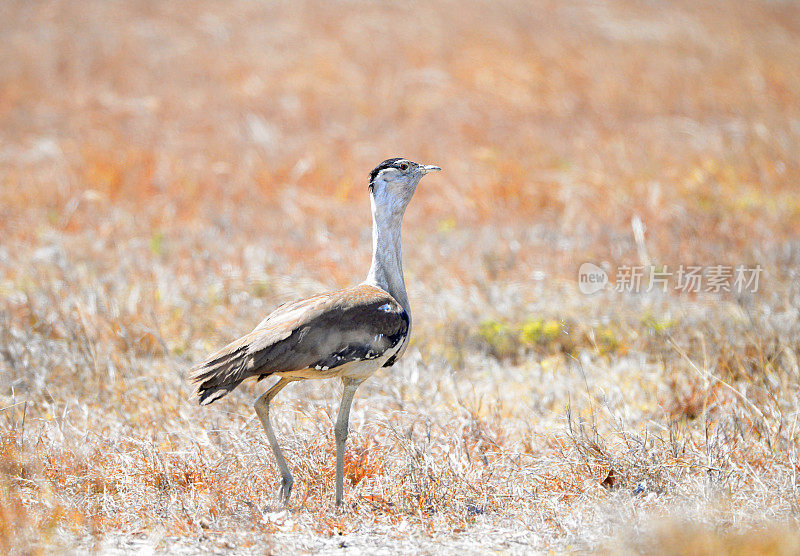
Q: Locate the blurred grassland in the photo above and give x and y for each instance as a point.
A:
(170, 172)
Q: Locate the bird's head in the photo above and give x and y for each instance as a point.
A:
(392, 183)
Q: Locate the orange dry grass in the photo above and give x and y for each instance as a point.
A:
(171, 172)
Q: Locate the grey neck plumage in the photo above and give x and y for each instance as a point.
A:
(386, 271)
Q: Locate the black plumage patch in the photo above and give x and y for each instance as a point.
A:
(348, 355)
(390, 361)
(365, 350)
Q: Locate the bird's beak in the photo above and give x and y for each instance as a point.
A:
(428, 168)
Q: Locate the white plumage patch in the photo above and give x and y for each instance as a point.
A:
(214, 397)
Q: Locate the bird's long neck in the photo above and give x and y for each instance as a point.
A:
(386, 271)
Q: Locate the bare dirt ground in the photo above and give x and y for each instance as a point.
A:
(170, 172)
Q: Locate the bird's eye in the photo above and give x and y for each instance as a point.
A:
(404, 166)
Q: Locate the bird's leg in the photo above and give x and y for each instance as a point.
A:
(340, 432)
(262, 409)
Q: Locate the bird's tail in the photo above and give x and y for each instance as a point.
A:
(219, 374)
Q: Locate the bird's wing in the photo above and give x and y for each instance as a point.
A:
(322, 332)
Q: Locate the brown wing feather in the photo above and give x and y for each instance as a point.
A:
(325, 331)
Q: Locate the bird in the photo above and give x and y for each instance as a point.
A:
(347, 334)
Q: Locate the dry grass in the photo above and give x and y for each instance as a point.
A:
(169, 172)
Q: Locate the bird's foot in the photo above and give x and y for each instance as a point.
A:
(285, 489)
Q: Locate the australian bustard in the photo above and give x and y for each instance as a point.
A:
(349, 333)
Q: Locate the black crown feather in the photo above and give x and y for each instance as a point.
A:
(388, 163)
